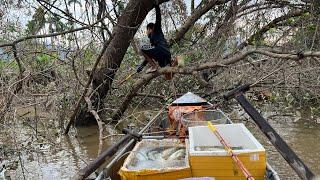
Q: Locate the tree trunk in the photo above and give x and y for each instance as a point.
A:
(127, 26)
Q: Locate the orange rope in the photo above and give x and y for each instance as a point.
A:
(230, 152)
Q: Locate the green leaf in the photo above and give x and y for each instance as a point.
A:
(291, 20)
(307, 14)
(272, 30)
(37, 22)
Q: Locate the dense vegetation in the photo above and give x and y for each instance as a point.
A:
(61, 61)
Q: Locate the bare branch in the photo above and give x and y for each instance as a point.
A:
(145, 79)
(266, 28)
(197, 14)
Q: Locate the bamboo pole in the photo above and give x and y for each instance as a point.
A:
(234, 157)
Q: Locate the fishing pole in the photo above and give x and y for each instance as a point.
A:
(128, 77)
(230, 152)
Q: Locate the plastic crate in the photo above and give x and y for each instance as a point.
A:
(200, 118)
(165, 172)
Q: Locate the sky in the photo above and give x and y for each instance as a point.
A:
(24, 15)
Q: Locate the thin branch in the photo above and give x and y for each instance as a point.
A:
(197, 14)
(52, 34)
(145, 79)
(63, 12)
(80, 101)
(266, 28)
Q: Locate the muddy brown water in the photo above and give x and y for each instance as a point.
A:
(63, 158)
(300, 132)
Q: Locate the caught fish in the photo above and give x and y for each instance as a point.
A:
(152, 158)
(141, 157)
(153, 155)
(178, 155)
(166, 153)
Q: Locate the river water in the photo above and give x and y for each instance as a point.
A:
(60, 157)
(299, 131)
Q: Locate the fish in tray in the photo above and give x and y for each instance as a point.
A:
(141, 156)
(178, 155)
(153, 155)
(159, 157)
(167, 152)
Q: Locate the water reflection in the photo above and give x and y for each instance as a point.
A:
(61, 159)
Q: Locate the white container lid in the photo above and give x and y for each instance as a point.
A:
(236, 135)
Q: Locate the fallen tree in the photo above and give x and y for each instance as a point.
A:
(125, 29)
(145, 79)
(123, 33)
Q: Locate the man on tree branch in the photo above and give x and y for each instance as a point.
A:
(159, 50)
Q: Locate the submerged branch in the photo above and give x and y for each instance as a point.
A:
(100, 123)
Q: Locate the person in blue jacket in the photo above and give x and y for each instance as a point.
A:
(158, 51)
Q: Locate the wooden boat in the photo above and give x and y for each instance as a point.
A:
(193, 112)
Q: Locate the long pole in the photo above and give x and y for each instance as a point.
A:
(286, 152)
(128, 77)
(85, 172)
(230, 152)
(131, 142)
